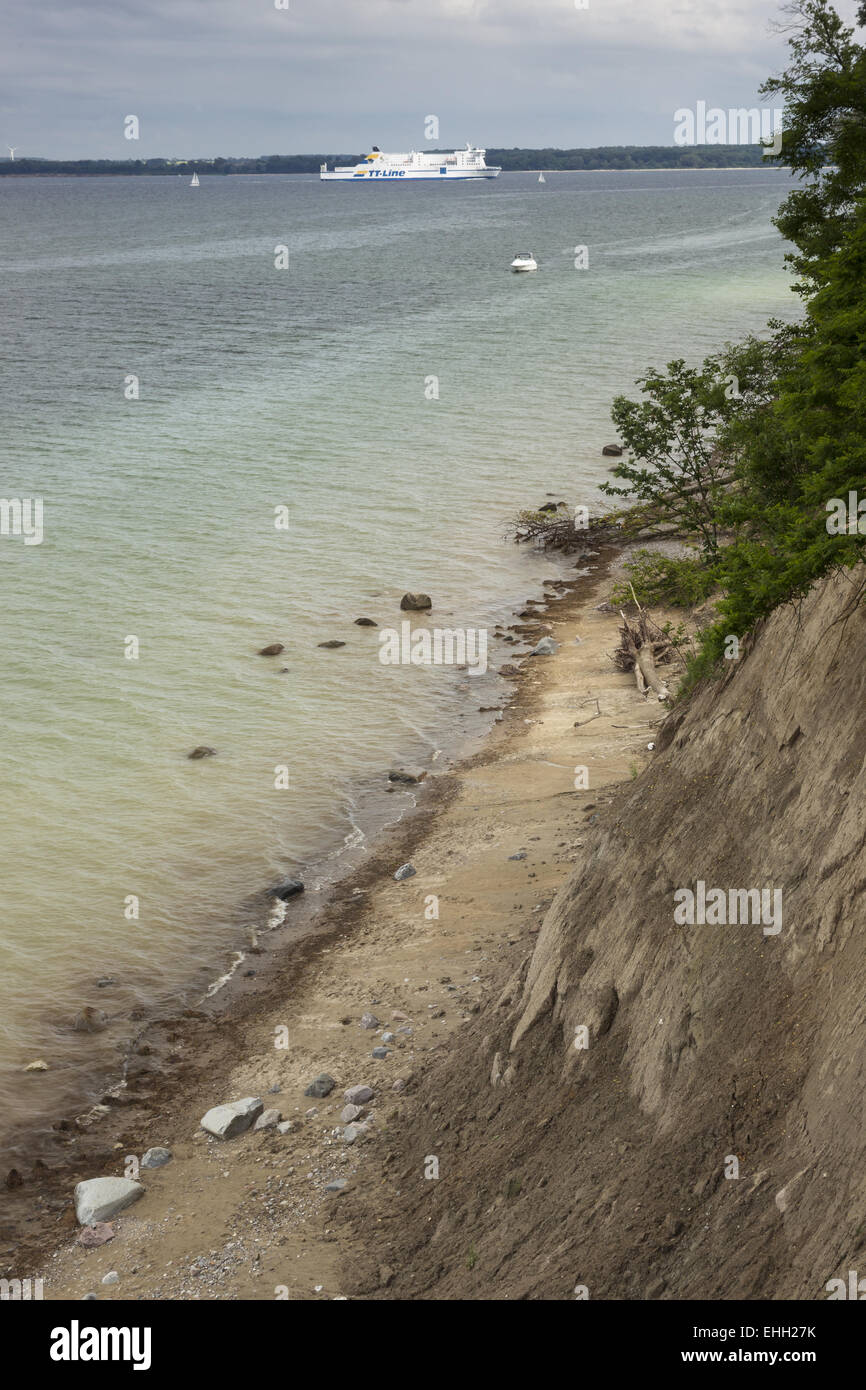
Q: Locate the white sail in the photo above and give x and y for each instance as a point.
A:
(193, 183)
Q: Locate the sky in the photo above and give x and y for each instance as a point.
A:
(244, 77)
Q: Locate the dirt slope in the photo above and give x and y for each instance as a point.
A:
(605, 1167)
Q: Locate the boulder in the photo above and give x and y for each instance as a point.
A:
(287, 890)
(273, 650)
(358, 1095)
(365, 622)
(90, 1020)
(156, 1158)
(400, 774)
(353, 1132)
(227, 1121)
(415, 603)
(321, 1087)
(91, 1237)
(546, 647)
(350, 1113)
(269, 1119)
(99, 1199)
(334, 642)
(203, 751)
(612, 451)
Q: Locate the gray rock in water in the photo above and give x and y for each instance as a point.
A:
(90, 1020)
(155, 1158)
(273, 650)
(99, 1199)
(203, 751)
(269, 1119)
(332, 644)
(365, 622)
(405, 871)
(358, 1095)
(227, 1121)
(321, 1087)
(380, 1053)
(612, 451)
(401, 774)
(546, 647)
(290, 889)
(415, 603)
(336, 1186)
(369, 1021)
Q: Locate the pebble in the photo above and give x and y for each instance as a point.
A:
(380, 1053)
(337, 1185)
(369, 1021)
(405, 871)
(350, 1113)
(112, 1277)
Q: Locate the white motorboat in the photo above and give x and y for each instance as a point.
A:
(524, 261)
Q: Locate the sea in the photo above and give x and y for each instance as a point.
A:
(250, 413)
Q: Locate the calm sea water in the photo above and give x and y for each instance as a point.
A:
(308, 388)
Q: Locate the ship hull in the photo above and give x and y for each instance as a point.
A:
(403, 175)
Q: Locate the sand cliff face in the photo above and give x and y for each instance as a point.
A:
(713, 1049)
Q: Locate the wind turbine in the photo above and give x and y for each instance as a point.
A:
(12, 149)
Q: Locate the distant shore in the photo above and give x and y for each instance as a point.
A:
(616, 158)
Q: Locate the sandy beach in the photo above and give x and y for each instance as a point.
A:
(491, 842)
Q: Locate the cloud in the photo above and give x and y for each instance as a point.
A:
(243, 77)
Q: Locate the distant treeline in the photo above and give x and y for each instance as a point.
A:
(605, 157)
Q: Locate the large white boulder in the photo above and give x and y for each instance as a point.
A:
(100, 1199)
(226, 1121)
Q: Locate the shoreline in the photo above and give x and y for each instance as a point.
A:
(35, 1164)
(200, 1048)
(258, 919)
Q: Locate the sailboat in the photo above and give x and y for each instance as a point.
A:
(541, 178)
(193, 183)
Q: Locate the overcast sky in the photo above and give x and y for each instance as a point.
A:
(241, 77)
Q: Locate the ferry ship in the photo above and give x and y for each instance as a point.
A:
(461, 164)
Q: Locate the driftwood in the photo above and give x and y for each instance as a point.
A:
(643, 647)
